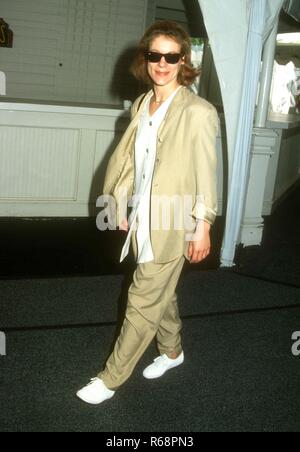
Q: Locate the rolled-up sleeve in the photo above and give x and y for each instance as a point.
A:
(205, 166)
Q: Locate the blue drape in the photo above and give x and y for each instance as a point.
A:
(238, 63)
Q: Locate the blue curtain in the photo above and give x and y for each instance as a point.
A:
(242, 151)
(253, 20)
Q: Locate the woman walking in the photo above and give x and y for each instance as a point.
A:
(167, 153)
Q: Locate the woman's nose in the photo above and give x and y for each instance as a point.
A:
(162, 62)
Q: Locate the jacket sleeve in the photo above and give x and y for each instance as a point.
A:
(205, 166)
(115, 168)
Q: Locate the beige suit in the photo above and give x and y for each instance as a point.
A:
(185, 166)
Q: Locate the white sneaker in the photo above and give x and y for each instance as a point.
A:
(161, 365)
(95, 392)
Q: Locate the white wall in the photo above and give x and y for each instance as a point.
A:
(67, 50)
(53, 159)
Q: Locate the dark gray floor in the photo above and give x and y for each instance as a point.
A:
(81, 301)
(278, 259)
(239, 375)
(59, 316)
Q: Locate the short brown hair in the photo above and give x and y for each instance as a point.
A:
(172, 30)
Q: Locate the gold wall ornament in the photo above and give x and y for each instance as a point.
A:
(6, 35)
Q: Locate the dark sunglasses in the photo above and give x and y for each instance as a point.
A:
(155, 57)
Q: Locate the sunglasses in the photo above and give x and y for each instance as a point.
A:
(155, 57)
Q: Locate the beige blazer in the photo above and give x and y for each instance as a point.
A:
(185, 167)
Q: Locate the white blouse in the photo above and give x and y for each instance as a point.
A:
(145, 156)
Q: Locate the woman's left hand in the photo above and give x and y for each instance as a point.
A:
(200, 246)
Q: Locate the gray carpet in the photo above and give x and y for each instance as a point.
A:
(278, 259)
(94, 300)
(239, 375)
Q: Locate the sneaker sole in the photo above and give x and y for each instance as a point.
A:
(161, 375)
(91, 402)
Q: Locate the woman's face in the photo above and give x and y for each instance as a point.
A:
(164, 74)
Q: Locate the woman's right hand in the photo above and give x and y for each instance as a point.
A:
(124, 226)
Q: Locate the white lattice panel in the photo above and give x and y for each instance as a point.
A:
(38, 163)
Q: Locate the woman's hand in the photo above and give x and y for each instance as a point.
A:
(200, 246)
(124, 226)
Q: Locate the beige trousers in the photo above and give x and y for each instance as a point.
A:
(152, 311)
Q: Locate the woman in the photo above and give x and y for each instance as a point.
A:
(167, 154)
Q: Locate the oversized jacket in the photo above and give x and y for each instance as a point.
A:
(186, 165)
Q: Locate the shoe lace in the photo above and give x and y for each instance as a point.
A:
(92, 381)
